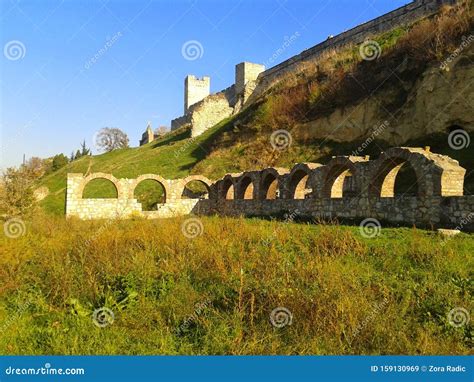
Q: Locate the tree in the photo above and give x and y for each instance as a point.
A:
(16, 191)
(84, 150)
(36, 167)
(78, 155)
(111, 138)
(59, 161)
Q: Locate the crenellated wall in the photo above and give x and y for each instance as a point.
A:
(346, 188)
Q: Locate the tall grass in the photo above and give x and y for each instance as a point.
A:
(213, 294)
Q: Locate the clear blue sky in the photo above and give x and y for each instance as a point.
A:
(53, 96)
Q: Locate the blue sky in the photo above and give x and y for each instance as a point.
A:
(54, 93)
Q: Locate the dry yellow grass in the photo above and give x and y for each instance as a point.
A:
(213, 294)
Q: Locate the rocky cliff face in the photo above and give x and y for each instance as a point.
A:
(440, 99)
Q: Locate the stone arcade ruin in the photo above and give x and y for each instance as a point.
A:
(347, 187)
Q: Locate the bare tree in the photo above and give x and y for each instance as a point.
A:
(162, 130)
(111, 138)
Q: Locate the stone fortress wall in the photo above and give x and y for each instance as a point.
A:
(203, 110)
(403, 15)
(347, 188)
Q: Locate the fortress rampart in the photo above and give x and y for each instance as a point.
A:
(204, 110)
(401, 16)
(346, 188)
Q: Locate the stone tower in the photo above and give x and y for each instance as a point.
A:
(195, 89)
(244, 73)
(148, 136)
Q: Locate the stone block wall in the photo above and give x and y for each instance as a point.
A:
(404, 15)
(347, 188)
(211, 110)
(207, 112)
(126, 205)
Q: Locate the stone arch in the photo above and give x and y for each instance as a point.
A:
(299, 180)
(226, 189)
(100, 175)
(197, 178)
(436, 175)
(337, 177)
(245, 188)
(154, 177)
(270, 181)
(269, 186)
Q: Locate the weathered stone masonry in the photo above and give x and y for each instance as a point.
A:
(348, 187)
(126, 205)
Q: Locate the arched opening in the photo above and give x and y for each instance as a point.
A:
(406, 183)
(269, 187)
(195, 189)
(246, 188)
(298, 184)
(396, 177)
(338, 183)
(150, 193)
(228, 190)
(100, 188)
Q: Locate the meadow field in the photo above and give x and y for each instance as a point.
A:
(232, 286)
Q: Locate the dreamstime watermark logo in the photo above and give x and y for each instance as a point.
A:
(192, 50)
(281, 140)
(459, 227)
(14, 228)
(45, 370)
(466, 41)
(199, 309)
(14, 50)
(459, 139)
(287, 42)
(377, 131)
(103, 317)
(291, 216)
(458, 317)
(192, 228)
(370, 50)
(376, 310)
(108, 44)
(281, 317)
(370, 228)
(14, 317)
